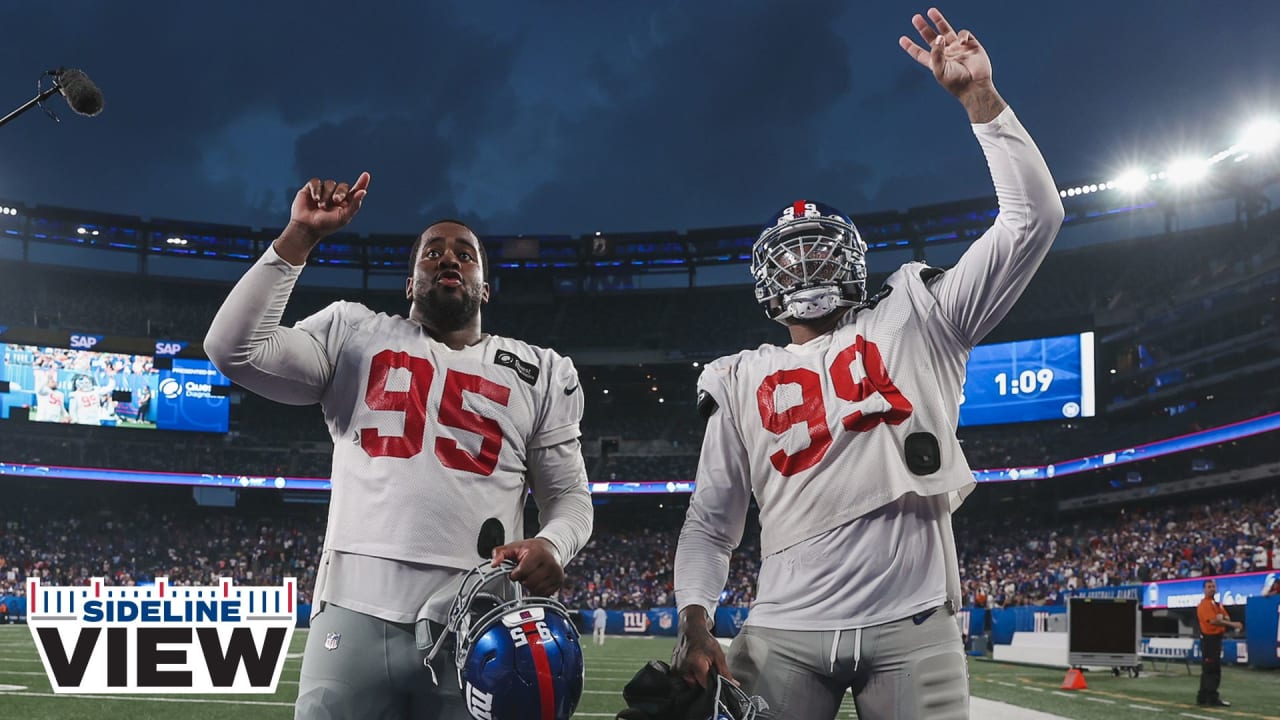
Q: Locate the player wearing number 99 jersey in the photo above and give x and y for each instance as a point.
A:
(846, 438)
(439, 430)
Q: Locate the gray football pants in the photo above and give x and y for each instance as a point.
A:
(374, 670)
(902, 670)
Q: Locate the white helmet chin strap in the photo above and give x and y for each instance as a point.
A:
(812, 303)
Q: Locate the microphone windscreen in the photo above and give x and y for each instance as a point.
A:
(82, 95)
(492, 534)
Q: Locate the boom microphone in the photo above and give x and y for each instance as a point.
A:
(81, 94)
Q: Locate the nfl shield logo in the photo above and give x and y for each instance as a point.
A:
(331, 641)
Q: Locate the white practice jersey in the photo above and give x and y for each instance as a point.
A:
(429, 442)
(416, 424)
(49, 405)
(86, 407)
(826, 432)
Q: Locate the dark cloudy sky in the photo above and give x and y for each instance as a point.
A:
(550, 116)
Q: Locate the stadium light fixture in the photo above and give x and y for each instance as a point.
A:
(1260, 136)
(176, 241)
(1130, 180)
(1187, 170)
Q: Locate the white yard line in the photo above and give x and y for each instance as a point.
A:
(137, 698)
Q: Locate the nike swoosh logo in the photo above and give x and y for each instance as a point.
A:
(570, 390)
(920, 617)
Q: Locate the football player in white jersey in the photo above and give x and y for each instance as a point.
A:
(439, 431)
(86, 401)
(846, 437)
(50, 402)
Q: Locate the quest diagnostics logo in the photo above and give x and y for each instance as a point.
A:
(162, 639)
(170, 388)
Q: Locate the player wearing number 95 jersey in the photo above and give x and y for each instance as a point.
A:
(439, 430)
(846, 438)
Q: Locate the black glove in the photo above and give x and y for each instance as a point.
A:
(656, 693)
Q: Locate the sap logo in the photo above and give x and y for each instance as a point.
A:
(167, 348)
(85, 342)
(170, 388)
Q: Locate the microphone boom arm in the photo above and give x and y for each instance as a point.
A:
(30, 103)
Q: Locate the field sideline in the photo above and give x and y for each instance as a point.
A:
(25, 692)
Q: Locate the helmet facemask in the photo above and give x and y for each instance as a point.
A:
(807, 268)
(732, 703)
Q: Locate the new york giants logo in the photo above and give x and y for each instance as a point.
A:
(635, 622)
(479, 704)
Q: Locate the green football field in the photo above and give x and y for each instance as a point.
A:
(25, 692)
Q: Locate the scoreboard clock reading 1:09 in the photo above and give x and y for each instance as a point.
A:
(1029, 380)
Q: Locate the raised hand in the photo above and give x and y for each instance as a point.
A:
(959, 63)
(326, 206)
(320, 208)
(957, 60)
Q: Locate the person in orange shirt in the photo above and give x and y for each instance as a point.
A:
(1214, 622)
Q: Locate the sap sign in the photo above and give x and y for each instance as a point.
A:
(169, 348)
(85, 342)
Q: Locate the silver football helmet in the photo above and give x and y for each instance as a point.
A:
(808, 262)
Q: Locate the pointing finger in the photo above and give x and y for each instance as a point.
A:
(357, 199)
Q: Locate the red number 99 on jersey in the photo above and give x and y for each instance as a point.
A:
(812, 411)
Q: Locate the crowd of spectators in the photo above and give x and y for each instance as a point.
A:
(64, 539)
(1007, 559)
(1004, 563)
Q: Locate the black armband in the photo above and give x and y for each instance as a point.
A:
(707, 405)
(928, 273)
